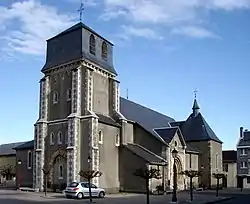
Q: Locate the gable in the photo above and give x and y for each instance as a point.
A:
(171, 134)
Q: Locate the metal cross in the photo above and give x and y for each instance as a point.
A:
(195, 93)
(81, 9)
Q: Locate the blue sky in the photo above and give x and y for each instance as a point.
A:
(164, 50)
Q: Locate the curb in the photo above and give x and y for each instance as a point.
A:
(220, 201)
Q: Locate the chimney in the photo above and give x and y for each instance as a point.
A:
(241, 132)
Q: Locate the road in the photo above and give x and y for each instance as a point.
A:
(242, 199)
(15, 197)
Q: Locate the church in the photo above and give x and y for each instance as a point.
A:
(84, 124)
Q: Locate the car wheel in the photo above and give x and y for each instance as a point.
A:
(101, 194)
(80, 196)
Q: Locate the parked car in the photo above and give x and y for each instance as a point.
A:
(81, 189)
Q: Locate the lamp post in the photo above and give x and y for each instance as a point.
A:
(19, 162)
(174, 197)
(90, 194)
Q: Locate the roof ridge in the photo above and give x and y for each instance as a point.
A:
(163, 128)
(143, 106)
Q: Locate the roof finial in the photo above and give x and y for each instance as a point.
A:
(195, 93)
(81, 9)
(127, 94)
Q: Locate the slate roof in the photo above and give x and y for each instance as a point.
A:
(145, 117)
(245, 141)
(7, 149)
(107, 120)
(229, 156)
(61, 51)
(79, 26)
(197, 129)
(145, 154)
(26, 145)
(166, 133)
(191, 149)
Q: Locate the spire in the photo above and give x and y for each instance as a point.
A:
(196, 107)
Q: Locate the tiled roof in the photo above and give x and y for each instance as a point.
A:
(145, 154)
(107, 120)
(145, 117)
(26, 145)
(7, 149)
(229, 156)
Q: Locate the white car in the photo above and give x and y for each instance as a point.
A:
(81, 189)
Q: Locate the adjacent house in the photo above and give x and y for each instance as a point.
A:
(230, 168)
(243, 158)
(8, 162)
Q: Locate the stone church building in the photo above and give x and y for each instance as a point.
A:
(84, 124)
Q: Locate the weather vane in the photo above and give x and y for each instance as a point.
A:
(195, 93)
(81, 9)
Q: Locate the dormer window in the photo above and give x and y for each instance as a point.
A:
(69, 94)
(104, 51)
(92, 44)
(55, 97)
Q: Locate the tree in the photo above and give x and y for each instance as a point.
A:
(46, 172)
(218, 176)
(191, 174)
(7, 171)
(147, 174)
(90, 175)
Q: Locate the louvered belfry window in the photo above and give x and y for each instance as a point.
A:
(104, 51)
(92, 44)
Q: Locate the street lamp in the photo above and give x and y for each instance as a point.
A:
(90, 193)
(19, 162)
(174, 197)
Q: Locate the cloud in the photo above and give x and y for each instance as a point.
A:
(174, 14)
(168, 11)
(32, 23)
(194, 31)
(87, 3)
(141, 32)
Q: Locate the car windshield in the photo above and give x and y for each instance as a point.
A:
(73, 184)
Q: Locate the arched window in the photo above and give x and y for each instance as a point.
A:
(59, 137)
(69, 94)
(104, 51)
(117, 140)
(29, 159)
(100, 137)
(55, 97)
(60, 173)
(92, 44)
(52, 138)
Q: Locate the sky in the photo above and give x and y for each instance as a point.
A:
(163, 51)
